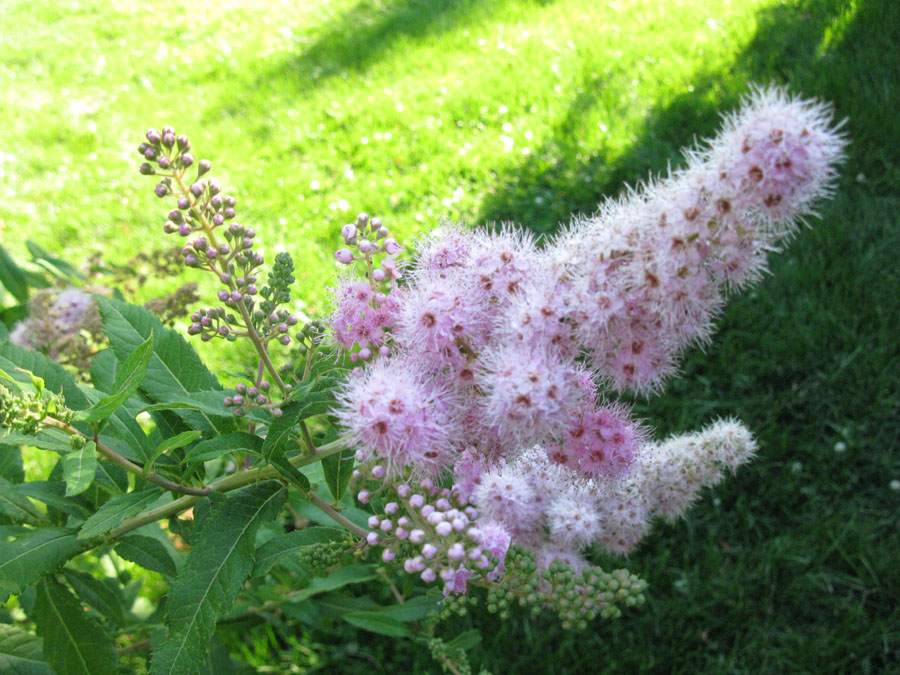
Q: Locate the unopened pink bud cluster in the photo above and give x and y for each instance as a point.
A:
(500, 360)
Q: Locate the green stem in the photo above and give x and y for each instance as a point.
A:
(226, 484)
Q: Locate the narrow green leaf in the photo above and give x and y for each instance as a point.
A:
(212, 577)
(53, 494)
(47, 438)
(63, 268)
(25, 559)
(74, 643)
(79, 469)
(289, 471)
(413, 609)
(352, 574)
(128, 379)
(13, 277)
(174, 366)
(21, 653)
(113, 512)
(179, 441)
(220, 445)
(274, 550)
(337, 470)
(146, 552)
(11, 467)
(97, 594)
(465, 641)
(17, 506)
(378, 624)
(280, 431)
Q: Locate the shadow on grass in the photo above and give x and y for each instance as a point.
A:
(359, 37)
(812, 47)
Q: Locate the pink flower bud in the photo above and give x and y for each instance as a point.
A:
(416, 501)
(404, 490)
(372, 538)
(435, 517)
(474, 553)
(456, 552)
(427, 510)
(458, 524)
(417, 536)
(428, 575)
(344, 256)
(387, 555)
(429, 550)
(374, 521)
(442, 504)
(379, 471)
(447, 574)
(386, 525)
(391, 508)
(401, 533)
(391, 247)
(364, 496)
(444, 529)
(403, 521)
(426, 484)
(378, 274)
(364, 245)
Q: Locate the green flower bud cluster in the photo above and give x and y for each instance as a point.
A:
(323, 555)
(25, 411)
(278, 290)
(451, 660)
(311, 334)
(457, 605)
(576, 598)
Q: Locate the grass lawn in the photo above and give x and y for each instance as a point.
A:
(527, 111)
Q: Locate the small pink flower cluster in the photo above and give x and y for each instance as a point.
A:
(431, 531)
(497, 349)
(365, 308)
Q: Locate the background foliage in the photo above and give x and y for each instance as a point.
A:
(527, 111)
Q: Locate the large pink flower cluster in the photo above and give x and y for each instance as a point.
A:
(499, 361)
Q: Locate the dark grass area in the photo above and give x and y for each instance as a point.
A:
(792, 566)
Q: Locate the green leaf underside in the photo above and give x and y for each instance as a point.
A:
(337, 469)
(289, 471)
(175, 370)
(21, 653)
(116, 510)
(146, 552)
(47, 439)
(79, 469)
(27, 558)
(378, 624)
(128, 379)
(212, 577)
(74, 643)
(53, 494)
(268, 555)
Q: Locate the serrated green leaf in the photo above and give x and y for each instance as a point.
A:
(268, 555)
(280, 431)
(212, 577)
(175, 368)
(56, 377)
(21, 653)
(178, 441)
(116, 510)
(17, 506)
(13, 277)
(74, 643)
(79, 469)
(413, 609)
(352, 574)
(378, 624)
(25, 559)
(146, 552)
(128, 379)
(59, 266)
(97, 594)
(48, 438)
(218, 446)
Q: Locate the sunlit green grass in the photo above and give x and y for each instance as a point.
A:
(528, 111)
